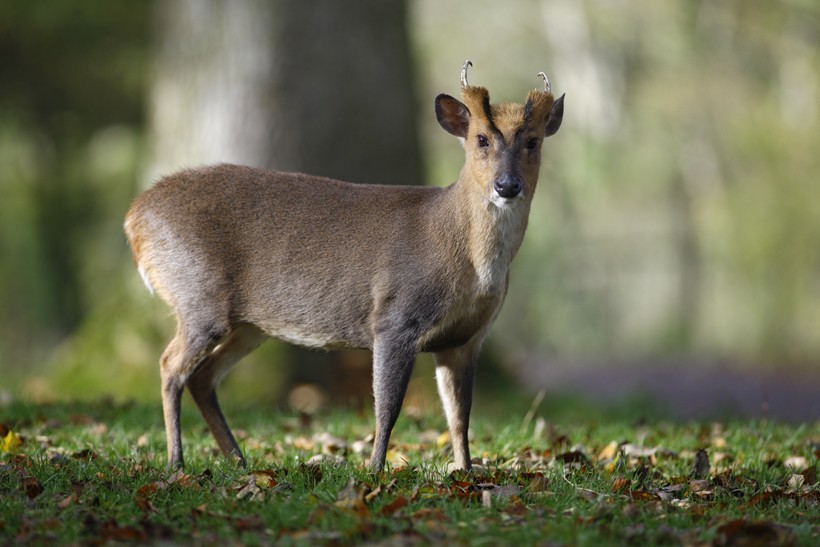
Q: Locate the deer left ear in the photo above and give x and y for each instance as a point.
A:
(556, 115)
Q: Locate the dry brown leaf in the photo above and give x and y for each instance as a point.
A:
(250, 491)
(303, 443)
(264, 478)
(329, 443)
(587, 494)
(370, 496)
(701, 467)
(796, 484)
(352, 497)
(539, 483)
(65, 502)
(571, 457)
(749, 532)
(620, 484)
(394, 505)
(32, 487)
(85, 454)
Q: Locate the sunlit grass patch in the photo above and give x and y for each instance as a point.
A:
(95, 473)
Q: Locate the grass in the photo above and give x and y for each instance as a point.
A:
(94, 473)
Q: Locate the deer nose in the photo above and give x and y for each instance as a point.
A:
(508, 187)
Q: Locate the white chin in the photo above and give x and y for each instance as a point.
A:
(503, 202)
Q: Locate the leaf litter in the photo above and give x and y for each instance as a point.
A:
(554, 480)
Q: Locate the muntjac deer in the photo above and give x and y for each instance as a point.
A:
(242, 253)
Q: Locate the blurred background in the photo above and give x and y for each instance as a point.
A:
(673, 251)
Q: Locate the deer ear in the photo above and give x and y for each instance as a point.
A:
(556, 115)
(452, 115)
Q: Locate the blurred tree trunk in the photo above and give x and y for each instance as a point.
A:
(323, 87)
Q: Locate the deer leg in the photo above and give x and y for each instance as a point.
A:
(455, 371)
(179, 360)
(171, 397)
(393, 361)
(203, 382)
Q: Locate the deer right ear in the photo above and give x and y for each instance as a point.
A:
(452, 115)
(556, 115)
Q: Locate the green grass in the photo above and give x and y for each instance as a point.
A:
(94, 473)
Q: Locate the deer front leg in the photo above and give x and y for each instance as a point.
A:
(455, 371)
(393, 360)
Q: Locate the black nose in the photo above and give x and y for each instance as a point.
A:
(508, 187)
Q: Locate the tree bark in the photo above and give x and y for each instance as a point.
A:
(324, 87)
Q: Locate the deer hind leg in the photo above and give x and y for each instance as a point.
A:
(204, 380)
(455, 371)
(182, 356)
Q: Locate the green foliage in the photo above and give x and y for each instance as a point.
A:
(71, 102)
(94, 472)
(675, 214)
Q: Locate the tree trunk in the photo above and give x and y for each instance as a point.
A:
(323, 87)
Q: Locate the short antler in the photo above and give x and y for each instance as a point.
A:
(547, 86)
(467, 63)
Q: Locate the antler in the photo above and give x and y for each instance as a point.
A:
(547, 86)
(467, 63)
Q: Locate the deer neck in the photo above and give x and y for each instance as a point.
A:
(491, 234)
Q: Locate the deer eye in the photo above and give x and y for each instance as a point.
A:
(483, 142)
(532, 143)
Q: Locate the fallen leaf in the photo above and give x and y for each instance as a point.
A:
(394, 505)
(333, 460)
(701, 467)
(429, 513)
(330, 444)
(370, 496)
(539, 483)
(609, 451)
(32, 487)
(498, 492)
(250, 491)
(303, 443)
(573, 456)
(749, 532)
(181, 478)
(247, 524)
(265, 479)
(113, 532)
(795, 484)
(85, 454)
(145, 492)
(80, 419)
(619, 484)
(796, 462)
(643, 495)
(587, 494)
(352, 497)
(10, 442)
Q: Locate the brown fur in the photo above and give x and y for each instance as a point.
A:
(242, 253)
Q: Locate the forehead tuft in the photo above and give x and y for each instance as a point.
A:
(507, 116)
